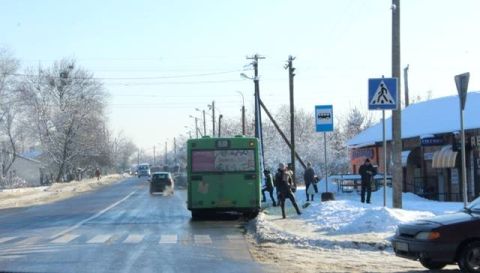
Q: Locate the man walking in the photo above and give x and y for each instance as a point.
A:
(268, 187)
(366, 171)
(309, 178)
(284, 184)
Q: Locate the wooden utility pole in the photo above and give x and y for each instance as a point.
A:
(291, 74)
(213, 118)
(258, 116)
(397, 174)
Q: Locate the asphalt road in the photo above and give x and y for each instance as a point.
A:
(121, 228)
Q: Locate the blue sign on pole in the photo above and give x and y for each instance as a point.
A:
(324, 118)
(382, 94)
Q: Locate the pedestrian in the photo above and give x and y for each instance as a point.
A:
(268, 187)
(284, 184)
(97, 174)
(309, 178)
(367, 171)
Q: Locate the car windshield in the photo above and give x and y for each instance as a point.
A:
(160, 176)
(475, 205)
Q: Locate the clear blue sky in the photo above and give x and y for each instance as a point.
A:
(338, 44)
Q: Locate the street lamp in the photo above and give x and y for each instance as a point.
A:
(243, 112)
(204, 122)
(196, 124)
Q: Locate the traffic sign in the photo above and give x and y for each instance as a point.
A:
(324, 118)
(382, 94)
(462, 85)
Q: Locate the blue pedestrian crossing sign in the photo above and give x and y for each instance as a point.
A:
(324, 118)
(383, 94)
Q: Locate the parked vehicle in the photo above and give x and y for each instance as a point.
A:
(441, 240)
(162, 182)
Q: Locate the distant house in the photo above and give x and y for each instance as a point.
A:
(28, 169)
(431, 157)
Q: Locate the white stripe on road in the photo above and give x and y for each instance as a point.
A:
(6, 239)
(133, 239)
(202, 239)
(92, 217)
(99, 239)
(65, 239)
(28, 241)
(168, 239)
(235, 237)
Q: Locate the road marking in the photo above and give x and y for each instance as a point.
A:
(168, 239)
(92, 217)
(202, 239)
(28, 241)
(99, 239)
(6, 239)
(65, 239)
(235, 237)
(133, 239)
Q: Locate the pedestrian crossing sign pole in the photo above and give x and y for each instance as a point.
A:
(383, 95)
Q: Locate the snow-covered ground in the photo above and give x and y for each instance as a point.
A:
(341, 228)
(23, 197)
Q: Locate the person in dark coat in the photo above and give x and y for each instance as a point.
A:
(268, 187)
(367, 171)
(284, 184)
(309, 178)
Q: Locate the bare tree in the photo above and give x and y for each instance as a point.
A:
(67, 106)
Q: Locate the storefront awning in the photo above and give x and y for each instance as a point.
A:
(445, 158)
(405, 158)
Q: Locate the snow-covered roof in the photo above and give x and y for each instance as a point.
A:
(434, 116)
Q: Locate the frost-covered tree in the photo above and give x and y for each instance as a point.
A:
(10, 111)
(66, 105)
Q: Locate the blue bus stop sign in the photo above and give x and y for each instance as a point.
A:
(324, 118)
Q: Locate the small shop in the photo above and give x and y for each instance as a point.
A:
(431, 157)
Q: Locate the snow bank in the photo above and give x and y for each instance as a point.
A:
(345, 222)
(23, 197)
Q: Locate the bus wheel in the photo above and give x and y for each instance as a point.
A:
(251, 214)
(196, 215)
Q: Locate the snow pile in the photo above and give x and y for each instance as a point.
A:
(345, 222)
(29, 196)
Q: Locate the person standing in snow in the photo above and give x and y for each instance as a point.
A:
(284, 184)
(97, 174)
(268, 187)
(367, 171)
(309, 178)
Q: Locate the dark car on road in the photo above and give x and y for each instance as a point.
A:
(441, 240)
(161, 182)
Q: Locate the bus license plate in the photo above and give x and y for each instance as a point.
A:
(401, 246)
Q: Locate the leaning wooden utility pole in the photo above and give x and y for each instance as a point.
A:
(290, 68)
(397, 174)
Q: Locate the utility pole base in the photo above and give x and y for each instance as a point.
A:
(327, 196)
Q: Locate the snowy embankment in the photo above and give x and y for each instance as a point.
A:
(23, 197)
(345, 222)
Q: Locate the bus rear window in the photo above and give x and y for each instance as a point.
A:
(223, 161)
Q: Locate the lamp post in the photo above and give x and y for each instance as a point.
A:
(196, 125)
(220, 125)
(204, 122)
(243, 112)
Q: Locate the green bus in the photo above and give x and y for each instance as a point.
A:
(224, 175)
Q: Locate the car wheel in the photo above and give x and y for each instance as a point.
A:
(469, 260)
(432, 265)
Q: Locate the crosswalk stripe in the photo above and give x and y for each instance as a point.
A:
(133, 239)
(202, 239)
(235, 237)
(65, 239)
(100, 239)
(6, 239)
(168, 239)
(28, 241)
